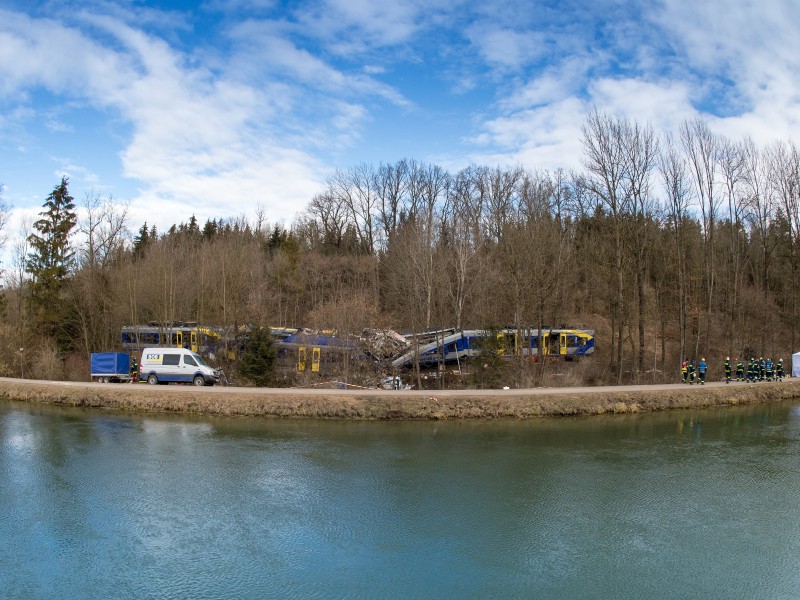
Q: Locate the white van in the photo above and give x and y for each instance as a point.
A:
(164, 365)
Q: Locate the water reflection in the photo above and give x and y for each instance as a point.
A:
(97, 505)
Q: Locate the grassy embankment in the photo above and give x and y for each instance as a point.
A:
(380, 404)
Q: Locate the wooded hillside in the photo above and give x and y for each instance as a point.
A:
(667, 246)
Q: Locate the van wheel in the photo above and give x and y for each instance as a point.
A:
(152, 379)
(199, 380)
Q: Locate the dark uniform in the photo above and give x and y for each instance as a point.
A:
(739, 370)
(728, 369)
(134, 370)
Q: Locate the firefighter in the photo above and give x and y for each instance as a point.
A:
(739, 369)
(691, 372)
(701, 370)
(751, 370)
(769, 369)
(779, 370)
(134, 370)
(762, 369)
(727, 369)
(685, 370)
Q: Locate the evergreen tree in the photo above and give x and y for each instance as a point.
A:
(258, 358)
(52, 256)
(141, 241)
(210, 229)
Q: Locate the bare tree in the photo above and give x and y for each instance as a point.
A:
(356, 189)
(462, 222)
(641, 151)
(391, 183)
(104, 231)
(677, 191)
(605, 160)
(497, 188)
(762, 207)
(785, 176)
(701, 147)
(332, 213)
(732, 168)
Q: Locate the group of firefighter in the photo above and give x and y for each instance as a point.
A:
(762, 369)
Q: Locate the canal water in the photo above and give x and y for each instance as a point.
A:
(685, 504)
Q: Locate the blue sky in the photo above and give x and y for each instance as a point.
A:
(216, 108)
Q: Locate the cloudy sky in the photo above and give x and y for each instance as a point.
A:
(216, 108)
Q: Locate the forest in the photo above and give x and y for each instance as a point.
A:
(667, 245)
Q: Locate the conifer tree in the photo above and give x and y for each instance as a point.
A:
(141, 240)
(258, 358)
(51, 256)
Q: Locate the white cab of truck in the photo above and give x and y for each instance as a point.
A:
(175, 365)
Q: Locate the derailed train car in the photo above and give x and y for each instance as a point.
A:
(310, 348)
(452, 346)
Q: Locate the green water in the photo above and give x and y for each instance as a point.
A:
(672, 505)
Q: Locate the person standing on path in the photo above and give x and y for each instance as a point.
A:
(701, 370)
(727, 369)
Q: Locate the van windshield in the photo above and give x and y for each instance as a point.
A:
(199, 360)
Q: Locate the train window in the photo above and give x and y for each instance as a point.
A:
(128, 337)
(171, 360)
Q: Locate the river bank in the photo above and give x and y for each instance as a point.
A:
(390, 404)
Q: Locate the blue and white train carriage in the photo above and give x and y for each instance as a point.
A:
(452, 346)
(179, 334)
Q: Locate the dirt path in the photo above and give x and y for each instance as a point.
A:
(390, 404)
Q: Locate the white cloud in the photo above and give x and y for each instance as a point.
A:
(376, 23)
(734, 65)
(505, 47)
(214, 127)
(662, 104)
(201, 143)
(270, 51)
(70, 170)
(544, 137)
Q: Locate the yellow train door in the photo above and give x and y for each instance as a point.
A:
(315, 351)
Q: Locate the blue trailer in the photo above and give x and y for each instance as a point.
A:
(110, 367)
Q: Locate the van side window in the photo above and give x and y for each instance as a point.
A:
(171, 360)
(188, 360)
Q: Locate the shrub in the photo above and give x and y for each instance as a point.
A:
(258, 358)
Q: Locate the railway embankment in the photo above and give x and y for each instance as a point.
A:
(390, 404)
